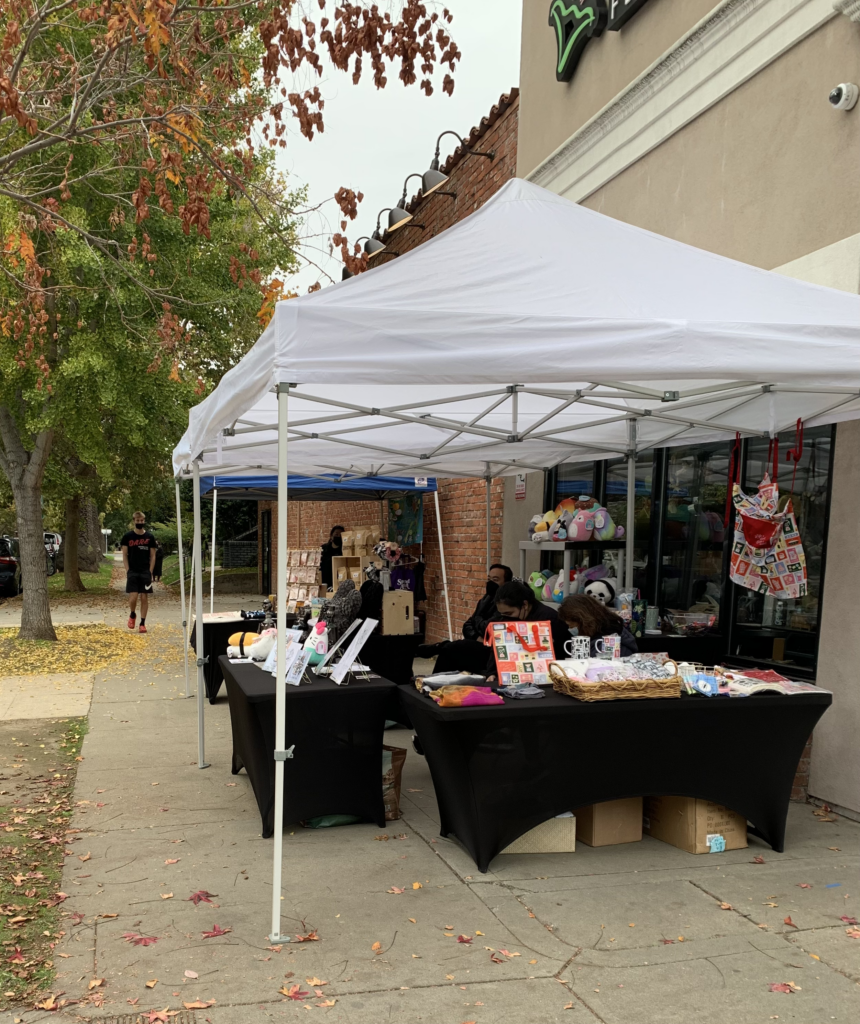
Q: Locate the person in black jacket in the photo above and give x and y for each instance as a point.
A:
(329, 551)
(469, 654)
(589, 617)
(515, 601)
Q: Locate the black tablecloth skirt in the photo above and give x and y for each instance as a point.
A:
(392, 656)
(499, 771)
(338, 734)
(215, 637)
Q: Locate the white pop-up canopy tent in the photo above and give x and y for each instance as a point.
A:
(533, 332)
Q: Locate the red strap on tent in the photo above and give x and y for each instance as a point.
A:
(734, 476)
(773, 453)
(796, 453)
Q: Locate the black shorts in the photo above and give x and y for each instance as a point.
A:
(138, 583)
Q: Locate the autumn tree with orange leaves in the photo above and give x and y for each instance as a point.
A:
(142, 219)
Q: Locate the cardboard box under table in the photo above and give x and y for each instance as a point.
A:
(697, 826)
(611, 823)
(397, 613)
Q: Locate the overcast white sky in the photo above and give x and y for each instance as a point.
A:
(374, 138)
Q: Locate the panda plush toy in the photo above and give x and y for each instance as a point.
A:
(602, 591)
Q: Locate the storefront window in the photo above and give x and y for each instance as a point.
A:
(787, 631)
(575, 479)
(691, 577)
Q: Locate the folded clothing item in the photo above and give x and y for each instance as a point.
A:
(464, 696)
(522, 692)
(433, 682)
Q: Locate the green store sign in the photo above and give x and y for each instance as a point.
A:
(575, 23)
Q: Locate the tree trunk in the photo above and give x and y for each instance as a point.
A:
(25, 471)
(71, 571)
(91, 541)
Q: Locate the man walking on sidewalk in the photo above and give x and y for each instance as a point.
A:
(138, 557)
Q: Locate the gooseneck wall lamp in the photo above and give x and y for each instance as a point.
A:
(399, 214)
(433, 178)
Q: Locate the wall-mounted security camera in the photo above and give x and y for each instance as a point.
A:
(844, 96)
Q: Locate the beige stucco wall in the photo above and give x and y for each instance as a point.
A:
(515, 524)
(765, 176)
(551, 111)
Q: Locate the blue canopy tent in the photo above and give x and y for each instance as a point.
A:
(326, 487)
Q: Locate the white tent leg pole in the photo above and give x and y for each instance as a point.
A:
(631, 504)
(281, 754)
(201, 659)
(212, 560)
(444, 570)
(182, 588)
(489, 543)
(191, 585)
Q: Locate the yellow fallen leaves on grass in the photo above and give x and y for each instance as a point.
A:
(83, 648)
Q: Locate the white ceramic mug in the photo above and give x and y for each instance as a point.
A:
(578, 647)
(608, 646)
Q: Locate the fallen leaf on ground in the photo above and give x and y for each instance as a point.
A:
(198, 1004)
(95, 983)
(532, 961)
(568, 1006)
(414, 790)
(133, 1002)
(668, 942)
(377, 947)
(450, 977)
(412, 919)
(217, 931)
(784, 986)
(108, 916)
(853, 933)
(726, 906)
(166, 895)
(478, 933)
(17, 956)
(310, 937)
(294, 992)
(504, 952)
(848, 920)
(191, 974)
(382, 838)
(789, 922)
(201, 896)
(449, 927)
(395, 890)
(465, 939)
(631, 925)
(315, 982)
(276, 949)
(84, 858)
(758, 860)
(803, 885)
(152, 984)
(173, 860)
(497, 959)
(140, 940)
(836, 849)
(417, 885)
(327, 1002)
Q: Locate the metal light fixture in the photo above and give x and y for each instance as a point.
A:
(399, 215)
(374, 245)
(433, 179)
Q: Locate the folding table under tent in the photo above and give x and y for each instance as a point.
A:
(532, 332)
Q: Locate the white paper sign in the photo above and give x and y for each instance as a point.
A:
(297, 669)
(353, 651)
(292, 652)
(421, 481)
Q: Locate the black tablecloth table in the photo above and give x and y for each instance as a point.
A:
(215, 637)
(500, 770)
(392, 656)
(338, 735)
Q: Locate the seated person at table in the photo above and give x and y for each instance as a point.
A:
(516, 601)
(585, 616)
(469, 654)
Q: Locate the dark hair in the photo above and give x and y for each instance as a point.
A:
(515, 594)
(508, 571)
(592, 617)
(331, 531)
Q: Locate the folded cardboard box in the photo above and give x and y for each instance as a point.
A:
(610, 823)
(697, 826)
(558, 835)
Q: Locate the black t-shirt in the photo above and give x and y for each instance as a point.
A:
(139, 546)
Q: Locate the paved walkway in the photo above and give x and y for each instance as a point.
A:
(621, 935)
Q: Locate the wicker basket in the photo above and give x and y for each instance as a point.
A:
(619, 689)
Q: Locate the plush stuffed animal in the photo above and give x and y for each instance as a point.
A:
(604, 526)
(560, 529)
(581, 526)
(258, 651)
(243, 641)
(537, 581)
(557, 593)
(603, 591)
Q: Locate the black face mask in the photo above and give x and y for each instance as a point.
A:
(337, 543)
(492, 587)
(140, 526)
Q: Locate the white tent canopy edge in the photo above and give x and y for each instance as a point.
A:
(474, 359)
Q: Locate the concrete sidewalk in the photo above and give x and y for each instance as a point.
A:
(620, 935)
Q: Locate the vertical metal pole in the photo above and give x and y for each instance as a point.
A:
(565, 568)
(212, 559)
(280, 682)
(182, 588)
(631, 503)
(191, 582)
(489, 543)
(444, 570)
(201, 659)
